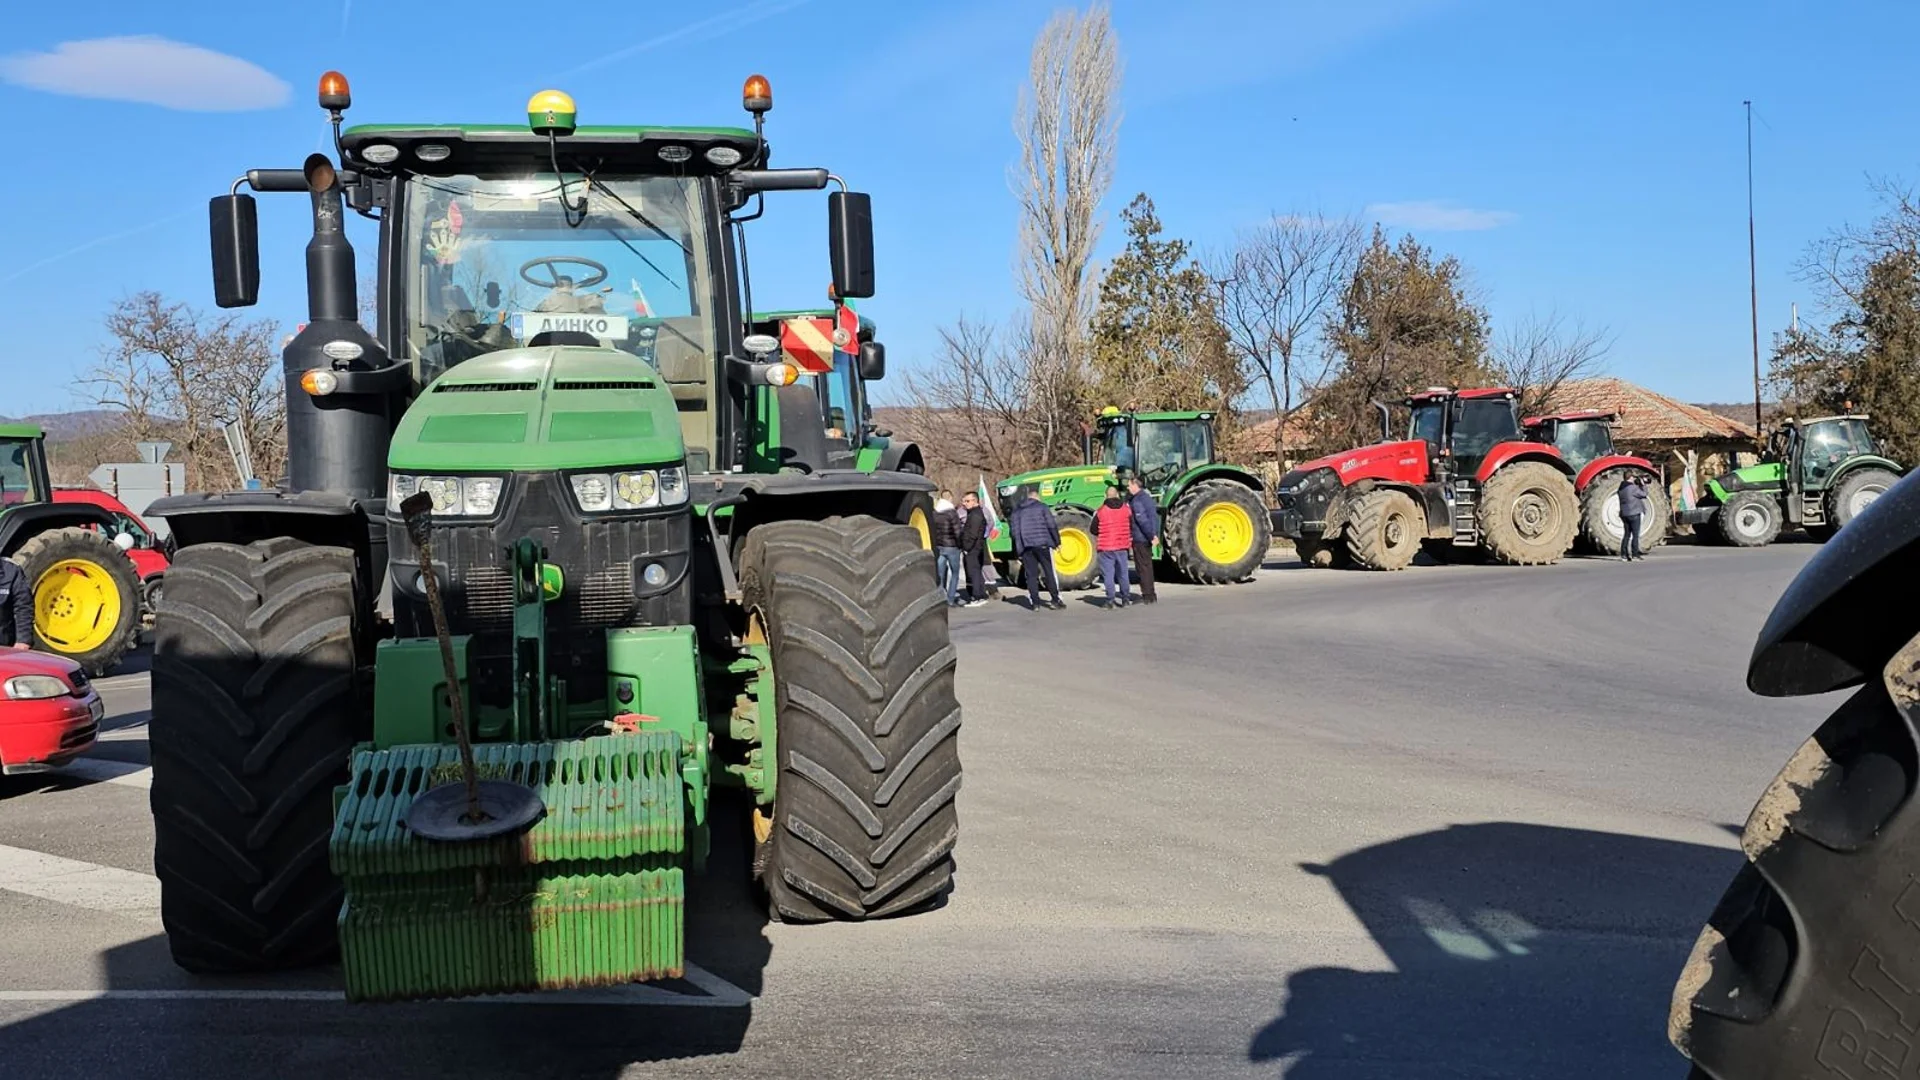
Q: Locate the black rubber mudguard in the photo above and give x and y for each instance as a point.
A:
(1810, 965)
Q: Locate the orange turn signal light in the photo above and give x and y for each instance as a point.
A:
(319, 382)
(757, 95)
(334, 93)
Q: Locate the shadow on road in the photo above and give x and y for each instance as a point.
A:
(273, 1027)
(1520, 951)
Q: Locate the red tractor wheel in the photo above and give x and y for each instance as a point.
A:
(1528, 514)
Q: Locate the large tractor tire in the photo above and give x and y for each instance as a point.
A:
(1855, 492)
(1218, 532)
(1529, 514)
(864, 821)
(256, 707)
(1074, 563)
(1603, 531)
(1750, 519)
(1384, 529)
(1805, 967)
(86, 597)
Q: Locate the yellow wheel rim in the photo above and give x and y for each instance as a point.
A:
(918, 519)
(1223, 533)
(76, 606)
(1074, 554)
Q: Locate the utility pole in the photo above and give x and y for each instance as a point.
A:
(1753, 274)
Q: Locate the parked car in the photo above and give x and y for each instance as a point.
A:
(149, 553)
(49, 711)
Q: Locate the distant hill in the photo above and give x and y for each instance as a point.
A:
(1741, 410)
(62, 426)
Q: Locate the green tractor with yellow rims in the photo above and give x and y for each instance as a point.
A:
(550, 576)
(1214, 524)
(840, 373)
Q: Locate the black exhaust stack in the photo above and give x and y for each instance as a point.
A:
(336, 440)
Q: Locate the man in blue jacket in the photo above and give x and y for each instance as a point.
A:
(1035, 535)
(1146, 532)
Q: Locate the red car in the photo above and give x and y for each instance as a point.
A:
(49, 712)
(148, 551)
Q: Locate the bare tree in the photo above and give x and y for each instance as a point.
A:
(1274, 288)
(1067, 120)
(1538, 354)
(178, 375)
(974, 413)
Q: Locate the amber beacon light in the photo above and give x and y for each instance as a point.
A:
(757, 95)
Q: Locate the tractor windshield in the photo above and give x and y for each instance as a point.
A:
(1116, 442)
(1581, 441)
(494, 263)
(1162, 451)
(17, 481)
(1480, 425)
(1429, 423)
(1827, 444)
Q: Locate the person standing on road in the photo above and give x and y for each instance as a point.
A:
(973, 548)
(1146, 533)
(1035, 535)
(1113, 539)
(1633, 508)
(16, 606)
(947, 522)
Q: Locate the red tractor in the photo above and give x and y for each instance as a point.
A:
(1465, 478)
(1585, 441)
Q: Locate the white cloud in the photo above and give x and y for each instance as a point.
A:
(150, 70)
(1437, 216)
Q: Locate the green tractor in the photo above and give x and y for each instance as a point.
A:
(1215, 527)
(545, 580)
(846, 406)
(1818, 474)
(86, 595)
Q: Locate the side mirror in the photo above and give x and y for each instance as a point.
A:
(235, 226)
(850, 238)
(873, 361)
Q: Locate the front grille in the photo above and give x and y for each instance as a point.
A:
(80, 683)
(600, 559)
(79, 736)
(601, 384)
(484, 387)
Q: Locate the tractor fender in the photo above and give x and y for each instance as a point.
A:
(899, 456)
(22, 523)
(1214, 472)
(1864, 460)
(321, 518)
(1510, 452)
(1612, 461)
(1855, 603)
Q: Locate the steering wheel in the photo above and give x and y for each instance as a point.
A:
(553, 264)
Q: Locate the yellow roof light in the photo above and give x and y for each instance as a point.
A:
(757, 95)
(551, 110)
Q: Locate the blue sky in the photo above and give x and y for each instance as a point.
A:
(1585, 158)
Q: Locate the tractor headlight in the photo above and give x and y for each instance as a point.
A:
(36, 687)
(630, 489)
(453, 496)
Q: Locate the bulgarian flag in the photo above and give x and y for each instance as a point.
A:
(640, 305)
(985, 495)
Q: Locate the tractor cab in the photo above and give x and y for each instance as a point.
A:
(1582, 437)
(23, 466)
(1159, 446)
(1813, 450)
(1461, 427)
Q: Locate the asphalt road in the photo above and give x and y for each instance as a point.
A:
(1459, 821)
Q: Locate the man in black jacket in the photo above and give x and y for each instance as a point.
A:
(973, 548)
(16, 606)
(948, 558)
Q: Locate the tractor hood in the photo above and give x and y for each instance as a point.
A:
(1380, 461)
(540, 409)
(1061, 481)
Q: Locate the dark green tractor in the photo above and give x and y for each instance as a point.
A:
(1818, 474)
(553, 571)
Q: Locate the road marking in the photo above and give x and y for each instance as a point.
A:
(114, 682)
(720, 994)
(87, 885)
(104, 771)
(129, 733)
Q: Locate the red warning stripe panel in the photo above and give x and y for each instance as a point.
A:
(807, 344)
(846, 330)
